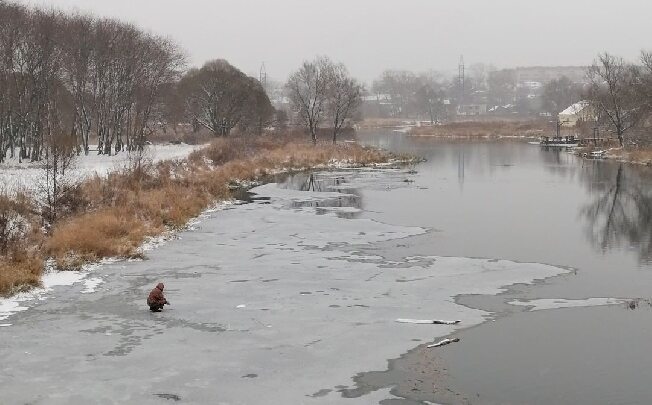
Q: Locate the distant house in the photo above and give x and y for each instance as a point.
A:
(502, 109)
(578, 112)
(377, 106)
(472, 109)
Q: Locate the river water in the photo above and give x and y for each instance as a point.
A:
(293, 298)
(519, 202)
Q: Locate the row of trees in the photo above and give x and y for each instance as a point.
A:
(435, 96)
(73, 80)
(78, 77)
(560, 93)
(415, 94)
(321, 90)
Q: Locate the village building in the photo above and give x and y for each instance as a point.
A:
(472, 109)
(575, 114)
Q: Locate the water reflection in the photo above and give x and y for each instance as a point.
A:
(460, 169)
(621, 211)
(310, 182)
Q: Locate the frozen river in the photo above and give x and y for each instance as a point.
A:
(293, 298)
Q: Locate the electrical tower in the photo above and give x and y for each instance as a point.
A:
(263, 77)
(461, 78)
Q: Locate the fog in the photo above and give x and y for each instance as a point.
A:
(370, 36)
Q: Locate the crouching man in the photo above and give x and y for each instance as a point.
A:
(156, 300)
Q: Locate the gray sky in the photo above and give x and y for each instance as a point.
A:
(370, 36)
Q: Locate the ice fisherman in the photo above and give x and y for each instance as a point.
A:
(156, 300)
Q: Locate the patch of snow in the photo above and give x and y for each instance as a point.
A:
(343, 210)
(404, 129)
(51, 279)
(154, 242)
(61, 278)
(29, 176)
(557, 303)
(91, 284)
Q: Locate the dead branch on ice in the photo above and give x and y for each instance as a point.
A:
(443, 343)
(427, 321)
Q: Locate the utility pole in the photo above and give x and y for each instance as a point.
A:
(461, 78)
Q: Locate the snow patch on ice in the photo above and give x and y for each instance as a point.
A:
(558, 303)
(154, 242)
(91, 284)
(50, 279)
(20, 302)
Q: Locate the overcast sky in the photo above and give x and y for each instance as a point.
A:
(370, 36)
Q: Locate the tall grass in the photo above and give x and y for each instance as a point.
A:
(484, 129)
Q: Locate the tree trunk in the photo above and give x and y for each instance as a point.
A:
(313, 135)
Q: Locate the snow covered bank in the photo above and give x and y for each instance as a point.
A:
(27, 176)
(21, 302)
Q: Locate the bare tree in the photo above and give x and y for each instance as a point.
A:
(560, 93)
(344, 96)
(645, 85)
(401, 86)
(220, 97)
(58, 180)
(307, 89)
(280, 119)
(78, 47)
(478, 76)
(430, 100)
(501, 87)
(613, 94)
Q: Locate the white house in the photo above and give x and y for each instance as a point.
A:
(577, 112)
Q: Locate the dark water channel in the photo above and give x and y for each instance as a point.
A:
(519, 202)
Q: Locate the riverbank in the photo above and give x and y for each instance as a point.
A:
(112, 216)
(641, 156)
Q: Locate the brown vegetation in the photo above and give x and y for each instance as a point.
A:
(373, 123)
(474, 129)
(20, 263)
(112, 216)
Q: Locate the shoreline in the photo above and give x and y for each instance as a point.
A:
(198, 183)
(641, 157)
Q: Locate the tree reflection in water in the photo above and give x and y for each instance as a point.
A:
(621, 212)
